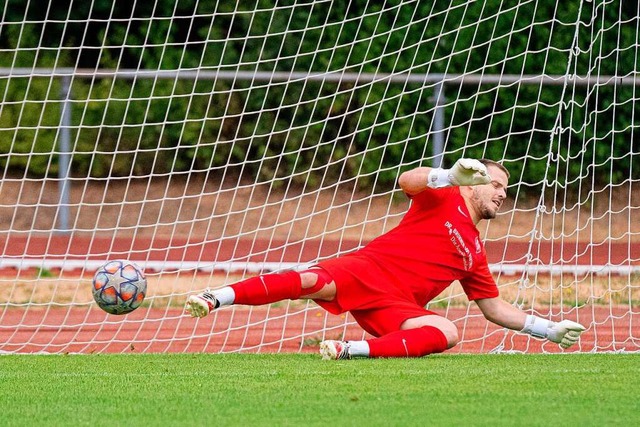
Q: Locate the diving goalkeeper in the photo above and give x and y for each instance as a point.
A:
(386, 284)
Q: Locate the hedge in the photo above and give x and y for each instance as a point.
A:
(309, 130)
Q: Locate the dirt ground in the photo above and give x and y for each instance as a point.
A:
(223, 208)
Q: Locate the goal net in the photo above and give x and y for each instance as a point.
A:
(213, 141)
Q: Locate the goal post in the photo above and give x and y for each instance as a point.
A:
(210, 142)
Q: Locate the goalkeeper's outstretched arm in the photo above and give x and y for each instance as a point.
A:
(463, 172)
(565, 333)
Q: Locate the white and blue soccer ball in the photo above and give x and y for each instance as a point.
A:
(119, 287)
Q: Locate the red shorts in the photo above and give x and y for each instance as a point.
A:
(377, 307)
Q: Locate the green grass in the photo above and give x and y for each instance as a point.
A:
(301, 390)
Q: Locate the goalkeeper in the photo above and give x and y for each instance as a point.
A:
(386, 284)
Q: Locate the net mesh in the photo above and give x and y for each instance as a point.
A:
(210, 142)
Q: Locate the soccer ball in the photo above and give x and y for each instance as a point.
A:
(119, 287)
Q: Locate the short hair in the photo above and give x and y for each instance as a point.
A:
(489, 162)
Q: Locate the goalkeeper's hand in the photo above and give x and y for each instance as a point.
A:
(463, 172)
(566, 333)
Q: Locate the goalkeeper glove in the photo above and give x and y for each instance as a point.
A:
(463, 172)
(565, 333)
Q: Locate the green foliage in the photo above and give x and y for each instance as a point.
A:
(314, 131)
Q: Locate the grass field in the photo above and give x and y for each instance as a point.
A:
(301, 389)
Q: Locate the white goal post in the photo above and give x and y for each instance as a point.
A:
(211, 142)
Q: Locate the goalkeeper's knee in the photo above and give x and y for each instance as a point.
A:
(314, 280)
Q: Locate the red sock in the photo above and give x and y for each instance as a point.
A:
(409, 343)
(268, 288)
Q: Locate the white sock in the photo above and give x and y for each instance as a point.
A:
(225, 296)
(359, 349)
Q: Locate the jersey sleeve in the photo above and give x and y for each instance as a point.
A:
(434, 197)
(480, 284)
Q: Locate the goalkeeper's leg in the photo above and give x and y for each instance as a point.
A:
(265, 289)
(406, 343)
(417, 337)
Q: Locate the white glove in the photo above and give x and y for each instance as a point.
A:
(463, 172)
(566, 333)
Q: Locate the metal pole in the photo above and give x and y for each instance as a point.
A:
(438, 124)
(64, 156)
(335, 76)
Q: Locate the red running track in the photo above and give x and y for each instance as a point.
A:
(274, 330)
(79, 247)
(57, 330)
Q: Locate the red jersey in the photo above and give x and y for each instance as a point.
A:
(435, 243)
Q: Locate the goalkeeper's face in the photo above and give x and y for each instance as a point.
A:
(488, 198)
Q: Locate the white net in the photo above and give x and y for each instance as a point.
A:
(210, 142)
